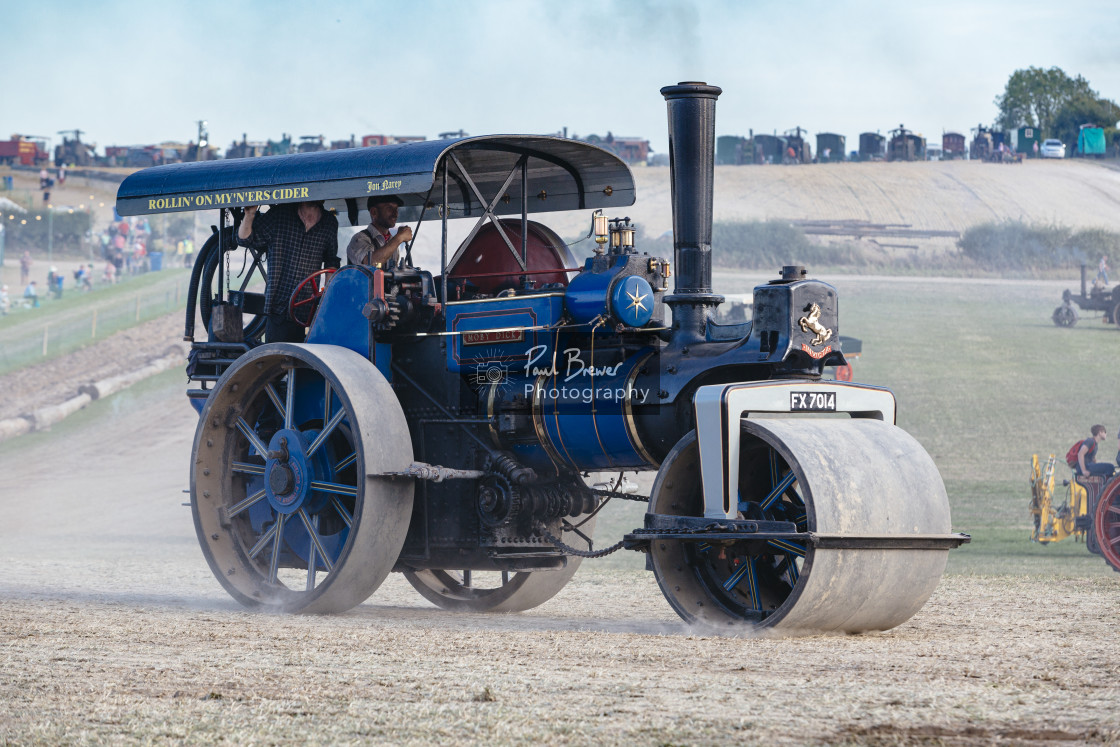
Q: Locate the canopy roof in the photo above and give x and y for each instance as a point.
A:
(561, 174)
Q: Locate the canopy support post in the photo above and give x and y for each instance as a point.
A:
(525, 211)
(221, 250)
(443, 242)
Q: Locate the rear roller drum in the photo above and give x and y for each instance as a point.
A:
(284, 509)
(841, 478)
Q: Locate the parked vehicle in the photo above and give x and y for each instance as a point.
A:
(871, 145)
(830, 147)
(1090, 141)
(906, 146)
(26, 150)
(1052, 148)
(953, 146)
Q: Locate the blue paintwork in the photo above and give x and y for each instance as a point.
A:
(632, 301)
(297, 463)
(586, 297)
(383, 359)
(475, 354)
(339, 320)
(584, 416)
(408, 169)
(324, 466)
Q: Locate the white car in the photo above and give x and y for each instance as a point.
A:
(1052, 149)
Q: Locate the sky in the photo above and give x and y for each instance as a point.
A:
(145, 72)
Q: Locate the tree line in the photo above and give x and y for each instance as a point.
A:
(1055, 103)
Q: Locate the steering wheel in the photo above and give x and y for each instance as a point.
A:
(302, 312)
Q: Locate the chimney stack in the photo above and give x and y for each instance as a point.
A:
(692, 141)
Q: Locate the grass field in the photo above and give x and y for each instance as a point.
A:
(983, 380)
(79, 319)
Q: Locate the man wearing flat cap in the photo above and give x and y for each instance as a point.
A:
(374, 244)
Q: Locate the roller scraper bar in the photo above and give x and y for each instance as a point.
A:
(720, 408)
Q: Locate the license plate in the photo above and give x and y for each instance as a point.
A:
(812, 401)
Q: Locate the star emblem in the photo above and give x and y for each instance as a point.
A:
(636, 299)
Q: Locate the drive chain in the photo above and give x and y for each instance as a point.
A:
(623, 496)
(580, 553)
(595, 553)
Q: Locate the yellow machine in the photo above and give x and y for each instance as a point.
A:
(1054, 522)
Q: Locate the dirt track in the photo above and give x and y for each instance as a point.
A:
(114, 630)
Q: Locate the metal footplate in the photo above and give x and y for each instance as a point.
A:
(700, 529)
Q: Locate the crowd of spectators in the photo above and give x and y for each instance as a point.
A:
(126, 247)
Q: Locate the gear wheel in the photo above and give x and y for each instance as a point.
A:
(499, 502)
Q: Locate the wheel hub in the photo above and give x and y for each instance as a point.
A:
(287, 475)
(281, 480)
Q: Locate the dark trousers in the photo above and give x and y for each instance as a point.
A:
(279, 328)
(1104, 469)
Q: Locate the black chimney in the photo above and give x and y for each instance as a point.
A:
(692, 140)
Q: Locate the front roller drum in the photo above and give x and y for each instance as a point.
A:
(863, 491)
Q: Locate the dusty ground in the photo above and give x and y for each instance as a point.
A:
(113, 630)
(58, 379)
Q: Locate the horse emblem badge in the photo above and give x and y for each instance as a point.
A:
(812, 324)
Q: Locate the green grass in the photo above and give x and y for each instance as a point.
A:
(1006, 551)
(75, 303)
(79, 319)
(984, 380)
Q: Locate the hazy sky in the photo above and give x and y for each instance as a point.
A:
(143, 72)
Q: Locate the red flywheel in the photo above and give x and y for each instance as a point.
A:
(1106, 524)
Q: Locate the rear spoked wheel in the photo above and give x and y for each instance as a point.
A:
(498, 591)
(285, 510)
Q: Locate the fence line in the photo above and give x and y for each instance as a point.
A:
(25, 346)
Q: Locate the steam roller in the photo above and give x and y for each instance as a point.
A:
(445, 425)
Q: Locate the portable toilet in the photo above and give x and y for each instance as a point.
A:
(1027, 139)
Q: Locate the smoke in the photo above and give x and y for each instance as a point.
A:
(665, 33)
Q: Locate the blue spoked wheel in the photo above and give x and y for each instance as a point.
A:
(733, 582)
(288, 505)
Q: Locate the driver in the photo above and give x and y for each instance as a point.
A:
(374, 245)
(301, 238)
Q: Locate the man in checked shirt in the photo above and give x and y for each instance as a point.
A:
(301, 238)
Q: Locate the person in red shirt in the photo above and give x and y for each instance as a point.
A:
(1087, 463)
